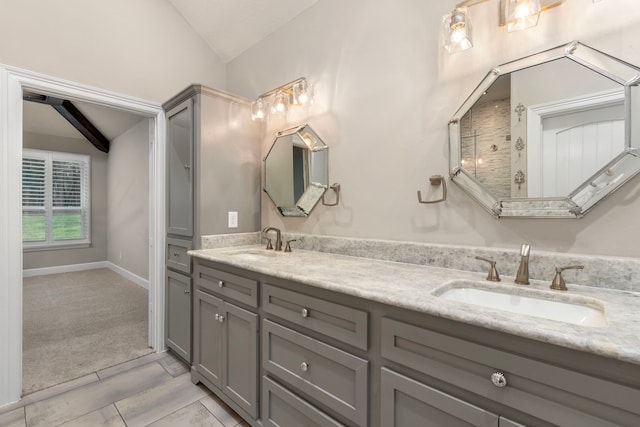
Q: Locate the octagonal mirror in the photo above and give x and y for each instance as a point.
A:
(296, 171)
(549, 135)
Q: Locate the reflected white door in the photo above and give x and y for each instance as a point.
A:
(574, 146)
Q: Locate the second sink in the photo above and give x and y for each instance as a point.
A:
(529, 305)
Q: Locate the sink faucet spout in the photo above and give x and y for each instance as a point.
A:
(278, 246)
(522, 276)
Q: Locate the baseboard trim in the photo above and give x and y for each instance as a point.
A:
(33, 272)
(144, 283)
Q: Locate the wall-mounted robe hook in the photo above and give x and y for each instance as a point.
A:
(336, 188)
(435, 180)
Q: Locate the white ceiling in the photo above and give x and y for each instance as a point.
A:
(232, 26)
(229, 27)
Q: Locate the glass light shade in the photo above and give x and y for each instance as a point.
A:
(522, 14)
(303, 93)
(257, 110)
(279, 103)
(456, 30)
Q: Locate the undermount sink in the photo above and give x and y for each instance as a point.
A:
(536, 305)
(253, 253)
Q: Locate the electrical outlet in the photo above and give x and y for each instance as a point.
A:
(233, 219)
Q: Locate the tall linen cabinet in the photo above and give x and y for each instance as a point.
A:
(213, 167)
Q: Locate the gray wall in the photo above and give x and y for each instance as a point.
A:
(98, 250)
(385, 90)
(128, 200)
(142, 48)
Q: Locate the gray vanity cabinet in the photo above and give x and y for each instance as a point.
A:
(225, 342)
(210, 139)
(552, 394)
(180, 142)
(408, 403)
(178, 313)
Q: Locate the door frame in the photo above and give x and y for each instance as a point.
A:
(12, 82)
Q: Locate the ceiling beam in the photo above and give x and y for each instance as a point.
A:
(73, 116)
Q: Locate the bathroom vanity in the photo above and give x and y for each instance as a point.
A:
(310, 338)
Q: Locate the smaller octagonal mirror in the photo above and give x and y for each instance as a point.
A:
(296, 171)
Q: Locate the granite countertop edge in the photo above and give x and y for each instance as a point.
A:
(411, 287)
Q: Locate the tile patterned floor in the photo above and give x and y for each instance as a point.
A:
(153, 390)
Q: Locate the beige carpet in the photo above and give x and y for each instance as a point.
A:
(78, 323)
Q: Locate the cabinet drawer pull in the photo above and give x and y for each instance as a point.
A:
(498, 379)
(176, 254)
(304, 312)
(220, 284)
(220, 319)
(304, 366)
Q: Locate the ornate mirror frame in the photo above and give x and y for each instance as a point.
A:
(595, 189)
(296, 171)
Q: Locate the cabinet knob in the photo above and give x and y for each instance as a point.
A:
(498, 379)
(217, 316)
(187, 167)
(187, 291)
(220, 319)
(220, 284)
(176, 254)
(304, 312)
(304, 366)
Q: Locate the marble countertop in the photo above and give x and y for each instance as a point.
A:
(412, 287)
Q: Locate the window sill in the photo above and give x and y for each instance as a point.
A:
(55, 247)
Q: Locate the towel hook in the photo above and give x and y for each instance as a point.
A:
(435, 180)
(336, 188)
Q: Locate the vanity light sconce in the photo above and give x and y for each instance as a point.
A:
(336, 188)
(514, 14)
(296, 93)
(435, 180)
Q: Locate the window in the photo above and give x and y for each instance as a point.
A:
(55, 199)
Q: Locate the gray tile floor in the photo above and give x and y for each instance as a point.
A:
(154, 390)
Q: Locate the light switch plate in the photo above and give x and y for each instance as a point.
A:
(233, 219)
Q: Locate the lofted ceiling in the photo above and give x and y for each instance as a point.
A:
(229, 27)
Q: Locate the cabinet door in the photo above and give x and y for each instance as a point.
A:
(180, 169)
(240, 360)
(178, 314)
(409, 403)
(207, 332)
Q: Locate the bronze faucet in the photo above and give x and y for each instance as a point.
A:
(522, 276)
(278, 246)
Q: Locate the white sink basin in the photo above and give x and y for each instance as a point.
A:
(537, 306)
(253, 253)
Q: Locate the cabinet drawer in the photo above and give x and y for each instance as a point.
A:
(405, 402)
(177, 257)
(281, 408)
(329, 375)
(554, 394)
(342, 323)
(226, 284)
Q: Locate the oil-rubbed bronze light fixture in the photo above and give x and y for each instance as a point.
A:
(296, 93)
(514, 14)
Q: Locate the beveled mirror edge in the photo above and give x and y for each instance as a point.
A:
(297, 210)
(567, 207)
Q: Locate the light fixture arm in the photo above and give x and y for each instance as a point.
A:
(286, 88)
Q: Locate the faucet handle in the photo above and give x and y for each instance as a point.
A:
(493, 275)
(268, 239)
(558, 282)
(288, 247)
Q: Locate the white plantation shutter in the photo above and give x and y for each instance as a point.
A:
(55, 199)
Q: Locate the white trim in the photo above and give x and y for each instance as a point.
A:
(143, 283)
(12, 82)
(33, 272)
